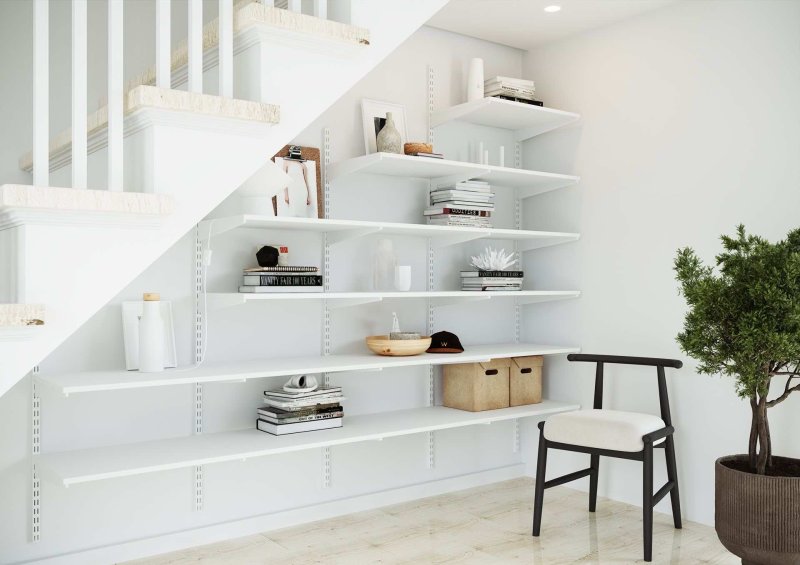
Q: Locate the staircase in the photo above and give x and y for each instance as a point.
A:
(111, 195)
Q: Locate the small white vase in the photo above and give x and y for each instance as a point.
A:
(388, 140)
(151, 335)
(402, 278)
(475, 80)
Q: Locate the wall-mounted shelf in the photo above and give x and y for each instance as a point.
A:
(530, 183)
(89, 465)
(526, 120)
(93, 381)
(347, 299)
(343, 230)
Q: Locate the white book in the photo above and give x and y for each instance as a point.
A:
(283, 429)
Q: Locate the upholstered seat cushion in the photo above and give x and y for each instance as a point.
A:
(603, 429)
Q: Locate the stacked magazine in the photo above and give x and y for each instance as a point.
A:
(467, 203)
(510, 88)
(491, 280)
(302, 411)
(281, 279)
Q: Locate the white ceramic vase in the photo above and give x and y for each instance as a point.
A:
(475, 80)
(388, 140)
(151, 335)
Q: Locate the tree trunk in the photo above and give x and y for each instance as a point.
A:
(753, 443)
(763, 436)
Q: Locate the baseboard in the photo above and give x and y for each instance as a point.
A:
(175, 541)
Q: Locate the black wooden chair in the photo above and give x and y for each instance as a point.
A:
(611, 433)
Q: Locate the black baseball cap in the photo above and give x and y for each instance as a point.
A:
(445, 342)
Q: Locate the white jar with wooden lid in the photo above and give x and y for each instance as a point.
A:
(151, 335)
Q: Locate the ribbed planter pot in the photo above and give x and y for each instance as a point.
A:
(757, 517)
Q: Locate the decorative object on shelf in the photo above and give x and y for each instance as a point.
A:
(267, 256)
(294, 408)
(417, 147)
(465, 203)
(384, 345)
(445, 342)
(402, 278)
(502, 161)
(374, 117)
(396, 333)
(389, 140)
(475, 387)
(257, 193)
(525, 380)
(743, 322)
(492, 260)
(302, 196)
(384, 263)
(301, 383)
(132, 312)
(475, 80)
(151, 335)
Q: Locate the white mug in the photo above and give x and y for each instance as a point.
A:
(402, 278)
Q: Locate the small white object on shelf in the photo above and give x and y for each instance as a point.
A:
(502, 162)
(475, 80)
(491, 259)
(131, 312)
(151, 335)
(402, 278)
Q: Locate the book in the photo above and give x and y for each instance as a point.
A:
(516, 93)
(498, 79)
(282, 269)
(322, 391)
(301, 403)
(491, 280)
(282, 280)
(462, 211)
(279, 413)
(307, 418)
(283, 429)
(429, 155)
(503, 274)
(461, 203)
(530, 101)
(490, 289)
(465, 193)
(279, 289)
(462, 223)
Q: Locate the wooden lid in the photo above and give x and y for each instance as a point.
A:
(151, 297)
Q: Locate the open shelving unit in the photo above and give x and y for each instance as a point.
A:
(97, 464)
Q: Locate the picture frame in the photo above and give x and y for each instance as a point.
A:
(131, 312)
(373, 116)
(303, 198)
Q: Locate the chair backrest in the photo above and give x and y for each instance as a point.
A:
(658, 363)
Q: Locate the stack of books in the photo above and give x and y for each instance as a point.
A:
(467, 203)
(292, 412)
(281, 279)
(491, 280)
(429, 155)
(516, 89)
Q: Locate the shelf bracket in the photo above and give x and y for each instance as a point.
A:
(199, 354)
(431, 438)
(34, 532)
(454, 300)
(355, 233)
(458, 238)
(218, 226)
(328, 239)
(549, 242)
(336, 303)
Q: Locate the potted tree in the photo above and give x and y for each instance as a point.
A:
(744, 322)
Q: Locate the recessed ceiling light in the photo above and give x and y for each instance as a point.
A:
(552, 9)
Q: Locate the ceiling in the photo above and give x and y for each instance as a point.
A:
(524, 24)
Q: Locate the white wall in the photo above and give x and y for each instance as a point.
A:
(95, 515)
(690, 126)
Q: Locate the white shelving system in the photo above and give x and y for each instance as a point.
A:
(82, 466)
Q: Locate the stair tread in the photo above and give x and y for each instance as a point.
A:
(59, 198)
(145, 96)
(21, 315)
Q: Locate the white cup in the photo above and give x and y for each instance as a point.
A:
(402, 278)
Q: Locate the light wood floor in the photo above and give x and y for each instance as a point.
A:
(488, 524)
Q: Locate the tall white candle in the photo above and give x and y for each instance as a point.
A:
(502, 156)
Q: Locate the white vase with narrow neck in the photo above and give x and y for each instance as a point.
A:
(388, 140)
(383, 266)
(151, 335)
(475, 80)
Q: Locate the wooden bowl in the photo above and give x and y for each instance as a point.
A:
(382, 345)
(410, 148)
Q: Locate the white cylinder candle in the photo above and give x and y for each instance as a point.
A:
(151, 335)
(502, 156)
(475, 80)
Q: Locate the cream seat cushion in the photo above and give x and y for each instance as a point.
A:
(603, 429)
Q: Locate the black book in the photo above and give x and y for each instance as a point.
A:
(297, 419)
(498, 274)
(282, 280)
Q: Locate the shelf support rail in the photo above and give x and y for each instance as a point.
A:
(431, 461)
(518, 195)
(35, 448)
(327, 241)
(199, 343)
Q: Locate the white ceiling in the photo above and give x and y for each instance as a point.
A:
(524, 23)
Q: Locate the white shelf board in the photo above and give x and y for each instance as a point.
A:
(342, 230)
(346, 299)
(526, 120)
(529, 183)
(94, 381)
(89, 465)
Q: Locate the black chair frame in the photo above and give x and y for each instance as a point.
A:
(650, 499)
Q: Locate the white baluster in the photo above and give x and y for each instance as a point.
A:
(79, 74)
(195, 43)
(295, 6)
(321, 9)
(163, 45)
(226, 48)
(115, 94)
(41, 91)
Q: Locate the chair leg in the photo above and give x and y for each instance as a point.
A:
(595, 467)
(541, 466)
(672, 475)
(647, 502)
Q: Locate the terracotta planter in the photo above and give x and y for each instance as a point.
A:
(757, 517)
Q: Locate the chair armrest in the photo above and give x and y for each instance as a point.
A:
(658, 434)
(623, 360)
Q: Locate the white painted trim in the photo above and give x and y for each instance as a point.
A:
(41, 92)
(226, 48)
(163, 45)
(266, 522)
(321, 9)
(115, 94)
(195, 46)
(16, 217)
(79, 93)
